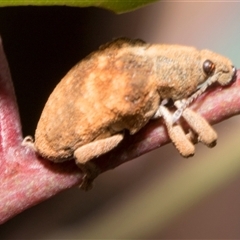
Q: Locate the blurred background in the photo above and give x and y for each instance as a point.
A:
(160, 195)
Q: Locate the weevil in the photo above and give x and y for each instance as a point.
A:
(120, 87)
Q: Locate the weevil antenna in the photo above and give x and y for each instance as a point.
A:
(201, 89)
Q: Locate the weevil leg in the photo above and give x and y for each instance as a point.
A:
(85, 153)
(206, 134)
(158, 113)
(201, 89)
(177, 135)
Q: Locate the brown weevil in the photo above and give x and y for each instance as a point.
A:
(121, 87)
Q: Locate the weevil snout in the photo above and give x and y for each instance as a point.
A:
(227, 77)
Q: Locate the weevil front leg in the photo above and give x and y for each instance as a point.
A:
(206, 134)
(85, 153)
(181, 141)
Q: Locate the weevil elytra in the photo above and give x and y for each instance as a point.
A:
(121, 87)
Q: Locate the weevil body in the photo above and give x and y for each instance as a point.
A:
(121, 87)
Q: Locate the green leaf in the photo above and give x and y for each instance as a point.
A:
(117, 6)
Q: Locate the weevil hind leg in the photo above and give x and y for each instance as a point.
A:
(85, 153)
(181, 140)
(206, 134)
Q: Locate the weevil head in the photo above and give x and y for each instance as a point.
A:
(217, 68)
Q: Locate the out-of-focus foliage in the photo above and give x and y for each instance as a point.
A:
(117, 6)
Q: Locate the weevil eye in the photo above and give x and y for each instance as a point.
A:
(208, 67)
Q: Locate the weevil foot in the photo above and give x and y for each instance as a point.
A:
(181, 141)
(85, 153)
(206, 134)
(192, 136)
(91, 171)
